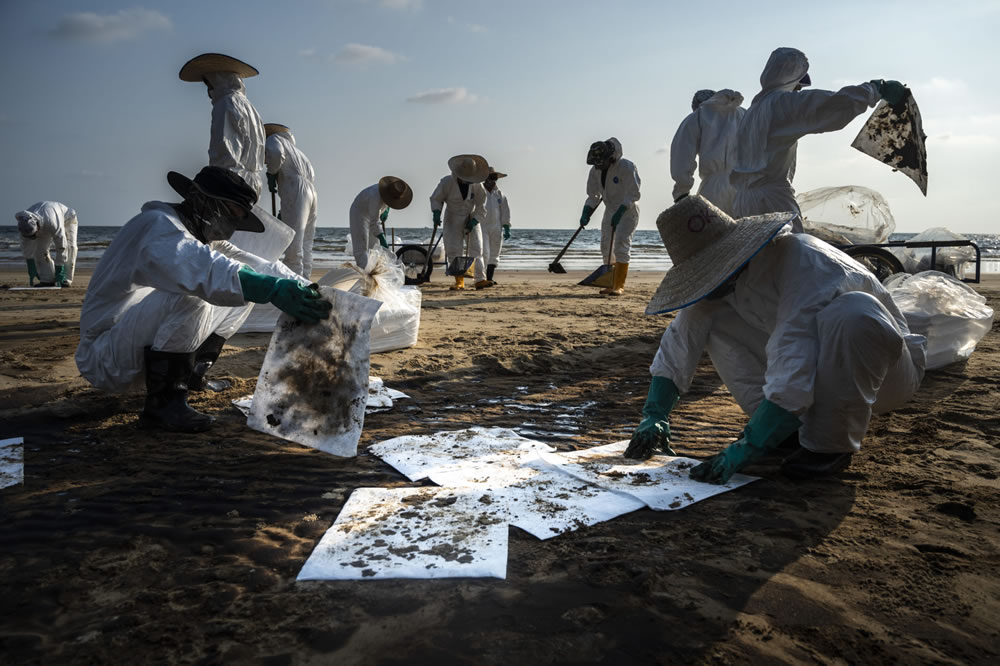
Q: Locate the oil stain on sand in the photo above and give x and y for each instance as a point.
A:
(313, 385)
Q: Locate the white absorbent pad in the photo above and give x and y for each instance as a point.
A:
(11, 462)
(411, 533)
(313, 386)
(33, 288)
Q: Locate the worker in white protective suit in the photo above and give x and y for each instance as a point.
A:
(462, 198)
(707, 138)
(237, 136)
(290, 175)
(496, 224)
(167, 283)
(45, 226)
(370, 210)
(615, 181)
(808, 342)
(778, 116)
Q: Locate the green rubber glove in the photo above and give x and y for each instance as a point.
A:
(506, 232)
(653, 432)
(303, 303)
(617, 217)
(382, 241)
(437, 218)
(32, 272)
(893, 92)
(385, 214)
(768, 427)
(585, 216)
(471, 224)
(61, 276)
(272, 182)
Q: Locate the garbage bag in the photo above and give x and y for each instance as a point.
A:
(950, 260)
(846, 215)
(894, 135)
(945, 310)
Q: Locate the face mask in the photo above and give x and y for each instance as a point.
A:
(217, 220)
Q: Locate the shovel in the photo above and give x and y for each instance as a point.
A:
(555, 266)
(604, 275)
(274, 206)
(461, 265)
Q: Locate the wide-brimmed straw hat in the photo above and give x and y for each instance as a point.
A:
(470, 168)
(706, 247)
(274, 128)
(496, 175)
(223, 184)
(198, 66)
(395, 192)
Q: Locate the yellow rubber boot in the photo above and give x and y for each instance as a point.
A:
(621, 272)
(459, 283)
(607, 290)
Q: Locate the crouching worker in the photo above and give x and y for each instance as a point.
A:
(167, 282)
(808, 342)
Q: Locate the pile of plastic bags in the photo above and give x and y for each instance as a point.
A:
(847, 215)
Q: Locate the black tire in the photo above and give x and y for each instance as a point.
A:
(879, 261)
(415, 266)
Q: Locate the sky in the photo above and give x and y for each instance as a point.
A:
(93, 113)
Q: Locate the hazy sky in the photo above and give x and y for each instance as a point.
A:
(93, 113)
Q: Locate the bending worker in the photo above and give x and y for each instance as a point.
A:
(707, 138)
(45, 225)
(779, 115)
(462, 197)
(169, 281)
(614, 181)
(290, 174)
(808, 342)
(496, 224)
(370, 210)
(237, 136)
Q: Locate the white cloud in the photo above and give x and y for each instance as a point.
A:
(941, 85)
(444, 96)
(402, 5)
(964, 139)
(471, 27)
(107, 28)
(663, 150)
(307, 53)
(360, 54)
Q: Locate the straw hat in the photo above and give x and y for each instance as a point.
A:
(274, 128)
(496, 175)
(223, 184)
(470, 168)
(205, 63)
(395, 192)
(706, 247)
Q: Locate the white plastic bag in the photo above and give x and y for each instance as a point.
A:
(949, 313)
(950, 260)
(847, 215)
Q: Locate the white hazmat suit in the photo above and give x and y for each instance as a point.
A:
(777, 118)
(57, 230)
(457, 210)
(158, 286)
(497, 215)
(620, 188)
(707, 137)
(296, 187)
(366, 223)
(809, 329)
(237, 139)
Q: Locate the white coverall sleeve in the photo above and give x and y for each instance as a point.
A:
(274, 154)
(478, 202)
(504, 211)
(595, 192)
(682, 345)
(224, 148)
(276, 268)
(683, 154)
(177, 263)
(631, 178)
(818, 111)
(439, 194)
(28, 247)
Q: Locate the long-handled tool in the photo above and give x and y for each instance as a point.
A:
(274, 206)
(555, 266)
(604, 275)
(460, 265)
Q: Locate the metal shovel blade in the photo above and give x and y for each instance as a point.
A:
(602, 277)
(556, 267)
(894, 135)
(460, 266)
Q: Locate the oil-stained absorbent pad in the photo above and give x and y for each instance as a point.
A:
(411, 533)
(380, 398)
(11, 462)
(313, 386)
(33, 288)
(661, 483)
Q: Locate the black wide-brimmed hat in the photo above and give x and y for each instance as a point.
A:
(223, 184)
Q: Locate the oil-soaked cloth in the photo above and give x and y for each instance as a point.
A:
(894, 135)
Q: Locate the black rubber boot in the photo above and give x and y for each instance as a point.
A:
(490, 270)
(166, 394)
(806, 464)
(204, 358)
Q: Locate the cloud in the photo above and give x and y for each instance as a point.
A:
(402, 5)
(87, 173)
(107, 28)
(309, 53)
(663, 150)
(360, 54)
(444, 96)
(471, 27)
(965, 139)
(942, 85)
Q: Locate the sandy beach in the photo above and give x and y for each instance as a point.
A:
(129, 546)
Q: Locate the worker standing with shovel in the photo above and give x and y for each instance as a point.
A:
(462, 198)
(615, 181)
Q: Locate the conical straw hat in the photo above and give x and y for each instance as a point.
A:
(274, 128)
(395, 192)
(470, 168)
(205, 63)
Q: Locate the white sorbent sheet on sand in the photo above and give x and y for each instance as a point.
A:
(411, 533)
(661, 483)
(380, 398)
(11, 462)
(33, 288)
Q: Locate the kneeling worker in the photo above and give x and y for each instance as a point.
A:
(808, 342)
(164, 286)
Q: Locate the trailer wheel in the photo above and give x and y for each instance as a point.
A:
(415, 265)
(879, 261)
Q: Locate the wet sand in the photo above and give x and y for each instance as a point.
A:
(132, 546)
